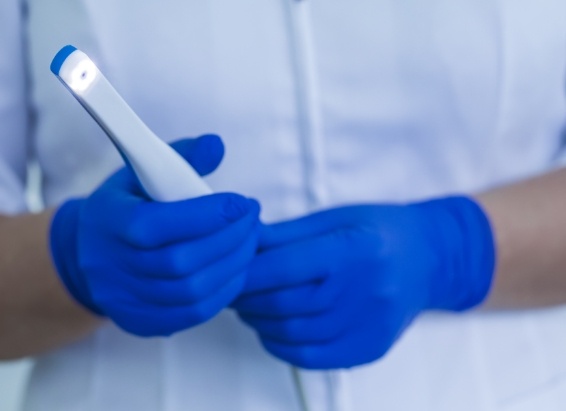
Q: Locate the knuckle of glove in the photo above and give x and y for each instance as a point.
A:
(195, 290)
(289, 331)
(235, 207)
(137, 229)
(276, 305)
(177, 263)
(326, 298)
(181, 284)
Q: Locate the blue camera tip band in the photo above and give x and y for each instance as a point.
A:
(60, 58)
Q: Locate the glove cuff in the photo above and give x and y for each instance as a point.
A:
(462, 231)
(63, 247)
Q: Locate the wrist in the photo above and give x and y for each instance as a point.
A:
(462, 236)
(63, 242)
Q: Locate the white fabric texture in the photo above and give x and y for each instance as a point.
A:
(14, 118)
(320, 103)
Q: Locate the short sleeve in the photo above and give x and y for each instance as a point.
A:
(14, 114)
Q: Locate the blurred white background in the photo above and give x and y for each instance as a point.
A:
(13, 376)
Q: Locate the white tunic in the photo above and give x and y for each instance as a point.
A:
(320, 103)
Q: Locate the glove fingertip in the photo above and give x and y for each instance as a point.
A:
(204, 153)
(236, 206)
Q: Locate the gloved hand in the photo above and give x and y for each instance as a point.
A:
(337, 288)
(156, 268)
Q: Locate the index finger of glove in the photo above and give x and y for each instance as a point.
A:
(313, 225)
(155, 224)
(297, 264)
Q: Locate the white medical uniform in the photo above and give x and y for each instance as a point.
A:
(320, 103)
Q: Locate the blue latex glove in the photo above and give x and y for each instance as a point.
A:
(156, 268)
(336, 289)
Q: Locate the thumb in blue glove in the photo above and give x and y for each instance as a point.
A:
(337, 288)
(156, 268)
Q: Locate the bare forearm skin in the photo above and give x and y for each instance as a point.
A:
(529, 220)
(36, 313)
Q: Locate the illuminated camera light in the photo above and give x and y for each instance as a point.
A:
(77, 71)
(83, 75)
(162, 172)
